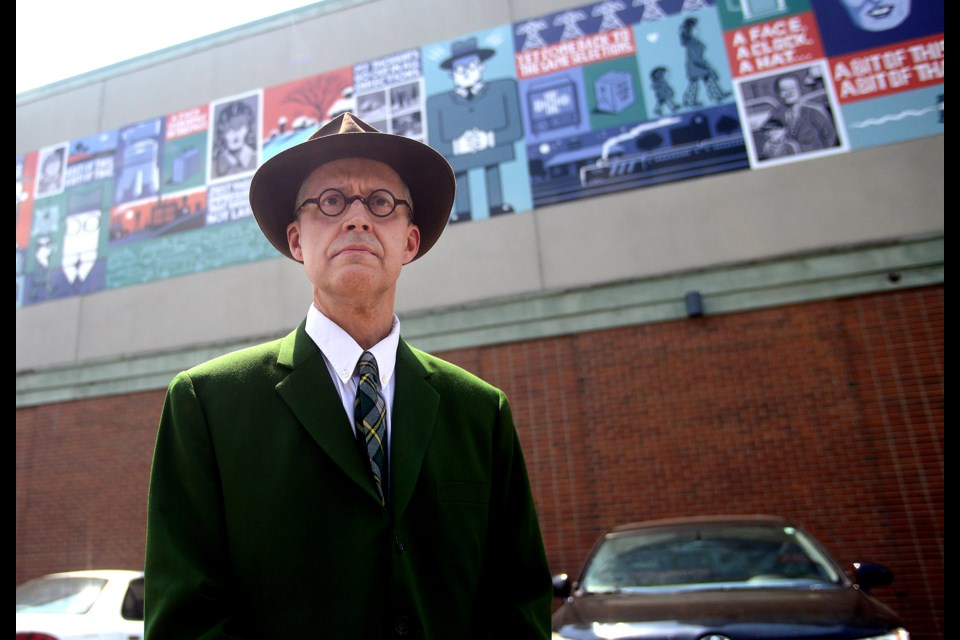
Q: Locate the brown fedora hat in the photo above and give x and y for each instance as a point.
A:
(274, 188)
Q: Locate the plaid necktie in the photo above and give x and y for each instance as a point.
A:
(369, 414)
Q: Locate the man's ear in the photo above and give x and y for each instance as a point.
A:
(293, 240)
(413, 243)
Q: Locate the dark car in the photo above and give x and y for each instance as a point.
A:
(720, 578)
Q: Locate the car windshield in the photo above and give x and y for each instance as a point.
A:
(708, 557)
(58, 595)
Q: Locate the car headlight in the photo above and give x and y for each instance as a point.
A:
(599, 631)
(896, 634)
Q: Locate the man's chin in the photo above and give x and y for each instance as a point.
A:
(356, 277)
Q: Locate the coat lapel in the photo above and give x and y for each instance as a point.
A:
(310, 394)
(414, 415)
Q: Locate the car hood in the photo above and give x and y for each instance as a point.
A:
(67, 626)
(739, 614)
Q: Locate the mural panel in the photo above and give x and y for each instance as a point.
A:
(613, 95)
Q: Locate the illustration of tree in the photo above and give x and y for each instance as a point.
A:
(317, 94)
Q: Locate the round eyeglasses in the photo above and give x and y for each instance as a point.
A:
(333, 202)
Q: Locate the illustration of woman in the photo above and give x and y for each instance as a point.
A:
(698, 69)
(234, 148)
(51, 172)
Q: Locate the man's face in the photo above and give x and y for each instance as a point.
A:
(356, 257)
(789, 90)
(467, 71)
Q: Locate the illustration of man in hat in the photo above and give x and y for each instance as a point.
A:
(338, 482)
(475, 125)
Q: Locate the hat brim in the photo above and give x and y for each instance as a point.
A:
(427, 174)
(484, 54)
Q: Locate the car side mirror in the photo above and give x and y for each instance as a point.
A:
(869, 575)
(561, 585)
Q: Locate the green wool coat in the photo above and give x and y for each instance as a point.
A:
(263, 521)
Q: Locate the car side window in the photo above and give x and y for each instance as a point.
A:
(133, 601)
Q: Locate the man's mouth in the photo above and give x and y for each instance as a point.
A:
(355, 248)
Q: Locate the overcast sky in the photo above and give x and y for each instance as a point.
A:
(59, 39)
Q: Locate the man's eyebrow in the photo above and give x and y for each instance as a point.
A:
(369, 188)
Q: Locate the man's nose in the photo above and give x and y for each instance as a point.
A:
(357, 216)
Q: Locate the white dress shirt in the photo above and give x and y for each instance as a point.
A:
(341, 353)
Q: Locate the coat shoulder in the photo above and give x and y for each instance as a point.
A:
(238, 364)
(448, 376)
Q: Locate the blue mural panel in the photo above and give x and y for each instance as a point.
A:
(474, 119)
(895, 118)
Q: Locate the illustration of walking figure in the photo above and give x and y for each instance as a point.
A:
(663, 91)
(698, 68)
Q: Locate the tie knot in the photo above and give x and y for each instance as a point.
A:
(367, 366)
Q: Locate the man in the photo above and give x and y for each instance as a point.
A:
(268, 517)
(475, 125)
(776, 142)
(806, 121)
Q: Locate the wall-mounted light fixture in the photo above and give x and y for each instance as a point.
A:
(694, 303)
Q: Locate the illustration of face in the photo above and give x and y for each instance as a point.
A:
(788, 89)
(877, 15)
(80, 244)
(467, 71)
(776, 134)
(235, 133)
(51, 166)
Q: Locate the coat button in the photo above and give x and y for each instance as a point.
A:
(401, 625)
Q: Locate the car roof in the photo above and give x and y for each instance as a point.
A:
(688, 521)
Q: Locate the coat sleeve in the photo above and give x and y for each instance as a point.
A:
(516, 577)
(187, 579)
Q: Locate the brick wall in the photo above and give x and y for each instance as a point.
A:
(830, 413)
(82, 471)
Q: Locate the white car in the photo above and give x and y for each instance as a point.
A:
(92, 605)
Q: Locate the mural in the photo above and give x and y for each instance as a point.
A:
(614, 95)
(473, 119)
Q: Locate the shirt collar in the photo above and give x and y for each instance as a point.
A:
(471, 91)
(343, 352)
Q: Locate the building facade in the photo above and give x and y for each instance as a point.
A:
(766, 310)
